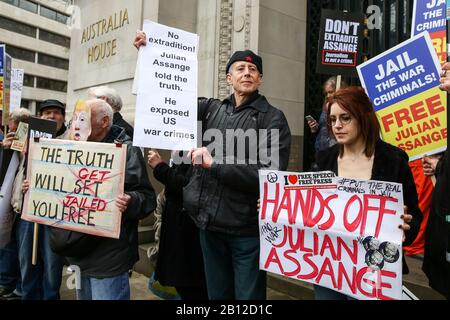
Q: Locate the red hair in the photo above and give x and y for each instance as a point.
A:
(356, 102)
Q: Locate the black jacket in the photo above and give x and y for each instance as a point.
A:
(224, 198)
(180, 260)
(112, 257)
(118, 120)
(390, 164)
(437, 236)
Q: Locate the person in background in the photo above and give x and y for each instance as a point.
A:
(43, 280)
(2, 134)
(115, 101)
(361, 154)
(436, 262)
(425, 188)
(10, 276)
(321, 137)
(55, 110)
(180, 261)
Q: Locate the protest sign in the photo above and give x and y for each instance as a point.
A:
(448, 9)
(42, 128)
(334, 232)
(16, 88)
(74, 184)
(2, 71)
(5, 83)
(20, 137)
(431, 16)
(166, 104)
(6, 212)
(339, 43)
(403, 86)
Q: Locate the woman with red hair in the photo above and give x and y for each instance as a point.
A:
(361, 154)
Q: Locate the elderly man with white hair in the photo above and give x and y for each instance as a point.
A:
(115, 101)
(104, 263)
(104, 270)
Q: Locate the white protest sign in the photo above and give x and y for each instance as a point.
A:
(16, 88)
(166, 104)
(335, 232)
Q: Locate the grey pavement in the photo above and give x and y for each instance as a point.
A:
(280, 288)
(139, 290)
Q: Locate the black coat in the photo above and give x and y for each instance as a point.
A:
(118, 120)
(224, 197)
(437, 242)
(112, 257)
(180, 260)
(390, 164)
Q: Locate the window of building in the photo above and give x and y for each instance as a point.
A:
(28, 5)
(48, 13)
(24, 4)
(50, 84)
(54, 38)
(28, 81)
(53, 61)
(54, 15)
(19, 27)
(19, 53)
(61, 17)
(25, 103)
(11, 2)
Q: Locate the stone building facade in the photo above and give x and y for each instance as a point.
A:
(102, 52)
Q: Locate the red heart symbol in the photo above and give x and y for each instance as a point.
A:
(293, 179)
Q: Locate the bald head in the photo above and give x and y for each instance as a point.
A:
(101, 119)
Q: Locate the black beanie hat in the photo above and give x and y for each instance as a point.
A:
(52, 103)
(247, 56)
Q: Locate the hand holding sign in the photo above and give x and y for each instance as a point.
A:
(407, 218)
(153, 158)
(140, 39)
(201, 156)
(7, 142)
(25, 186)
(445, 78)
(122, 202)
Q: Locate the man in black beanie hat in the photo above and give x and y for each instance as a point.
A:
(55, 110)
(222, 193)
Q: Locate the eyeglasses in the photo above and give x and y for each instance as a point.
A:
(344, 119)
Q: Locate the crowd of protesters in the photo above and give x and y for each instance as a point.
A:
(209, 237)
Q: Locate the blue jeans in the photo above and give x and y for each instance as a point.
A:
(43, 280)
(323, 293)
(9, 265)
(113, 288)
(232, 267)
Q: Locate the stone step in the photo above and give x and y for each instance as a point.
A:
(143, 266)
(297, 289)
(145, 234)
